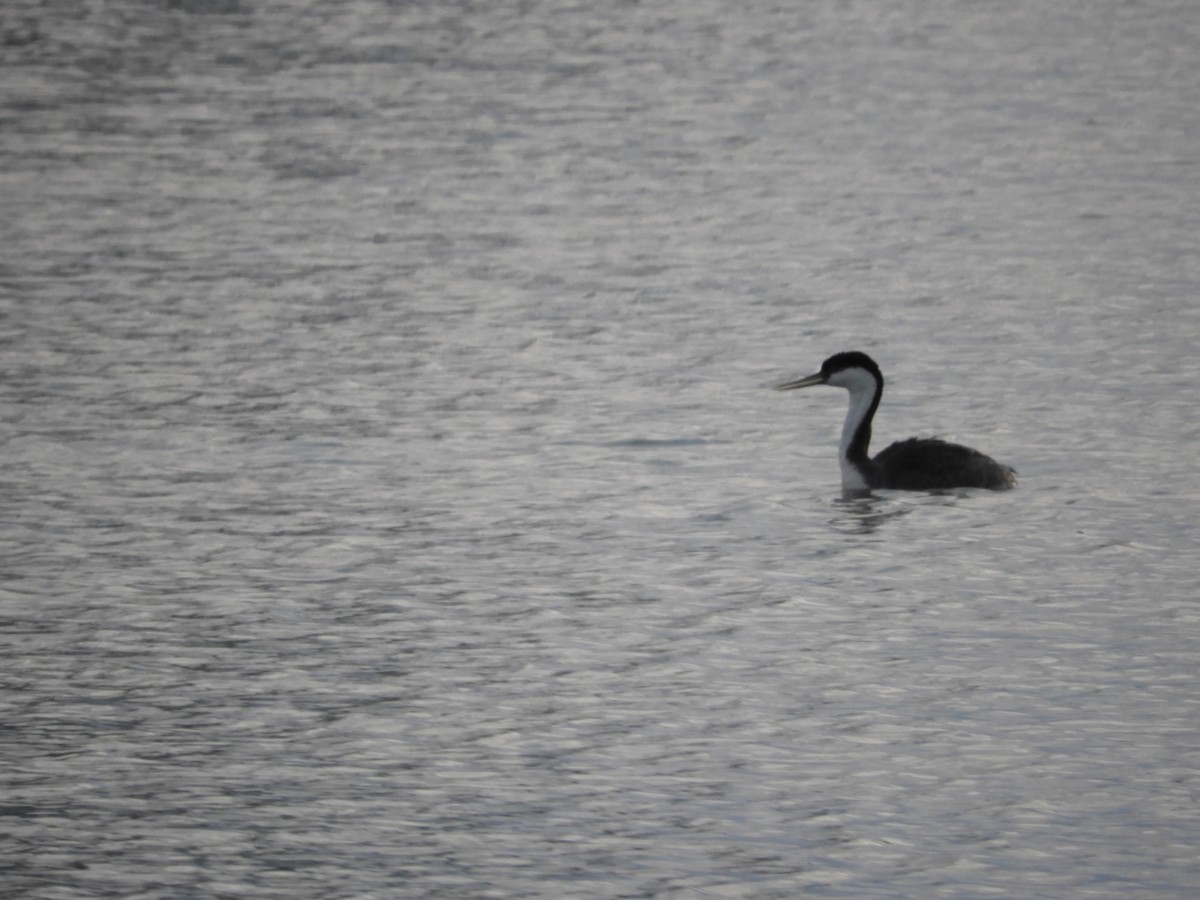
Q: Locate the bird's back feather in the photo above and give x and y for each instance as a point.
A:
(931, 463)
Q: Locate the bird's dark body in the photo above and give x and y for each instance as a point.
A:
(923, 464)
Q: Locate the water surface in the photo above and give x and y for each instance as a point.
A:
(394, 505)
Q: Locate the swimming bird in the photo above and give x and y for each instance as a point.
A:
(916, 464)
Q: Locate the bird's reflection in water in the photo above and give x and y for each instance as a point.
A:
(861, 512)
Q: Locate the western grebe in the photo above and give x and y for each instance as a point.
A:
(917, 464)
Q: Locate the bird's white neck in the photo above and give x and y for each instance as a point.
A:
(852, 476)
(863, 388)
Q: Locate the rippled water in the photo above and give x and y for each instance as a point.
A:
(393, 504)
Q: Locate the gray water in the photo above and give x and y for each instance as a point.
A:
(394, 505)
